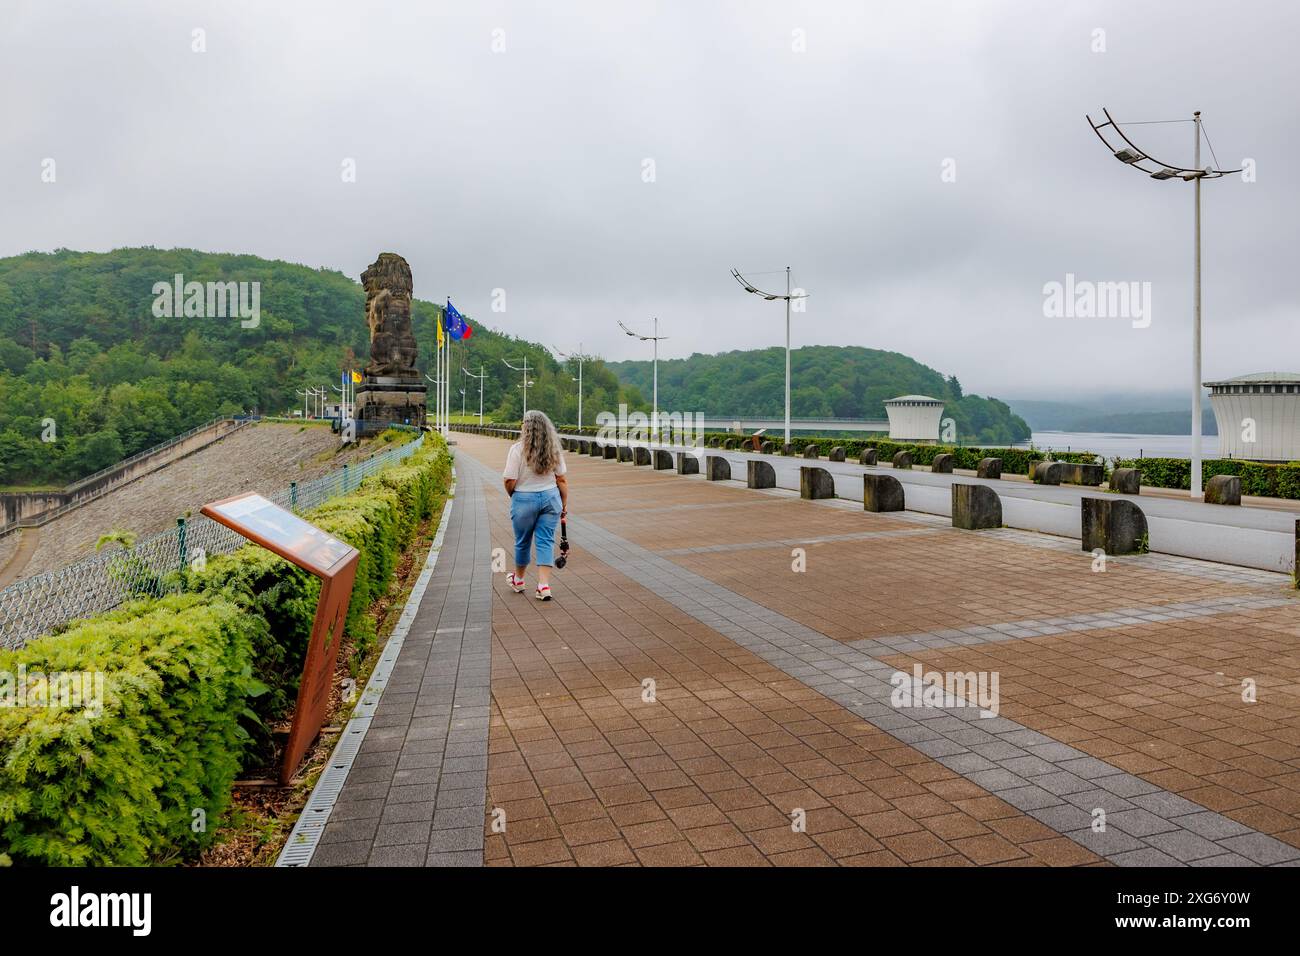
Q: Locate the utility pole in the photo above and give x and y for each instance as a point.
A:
(580, 358)
(523, 369)
(480, 376)
(655, 338)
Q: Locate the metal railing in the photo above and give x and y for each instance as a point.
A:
(37, 605)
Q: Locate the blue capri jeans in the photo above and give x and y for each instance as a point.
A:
(535, 513)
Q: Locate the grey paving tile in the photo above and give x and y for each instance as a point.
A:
(1260, 848)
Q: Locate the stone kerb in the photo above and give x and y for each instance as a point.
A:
(1126, 481)
(975, 507)
(1223, 490)
(882, 493)
(815, 483)
(759, 474)
(1113, 525)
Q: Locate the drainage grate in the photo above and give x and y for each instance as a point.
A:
(306, 834)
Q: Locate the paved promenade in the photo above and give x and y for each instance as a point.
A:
(714, 684)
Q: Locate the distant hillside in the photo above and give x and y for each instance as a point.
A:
(826, 382)
(80, 347)
(1105, 416)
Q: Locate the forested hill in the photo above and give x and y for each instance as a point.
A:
(80, 347)
(826, 381)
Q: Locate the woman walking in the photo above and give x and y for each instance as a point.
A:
(539, 498)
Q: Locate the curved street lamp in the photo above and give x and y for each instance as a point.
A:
(1132, 155)
(772, 297)
(656, 339)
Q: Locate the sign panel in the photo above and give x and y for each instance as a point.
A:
(333, 561)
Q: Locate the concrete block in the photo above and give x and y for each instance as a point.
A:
(717, 468)
(767, 448)
(1115, 525)
(903, 459)
(759, 474)
(989, 468)
(975, 507)
(815, 483)
(1078, 474)
(787, 449)
(837, 454)
(584, 447)
(1127, 481)
(624, 453)
(1223, 490)
(882, 493)
(868, 457)
(942, 464)
(1048, 472)
(596, 450)
(640, 455)
(811, 451)
(729, 444)
(611, 452)
(687, 464)
(663, 460)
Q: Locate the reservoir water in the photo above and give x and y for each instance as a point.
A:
(1117, 445)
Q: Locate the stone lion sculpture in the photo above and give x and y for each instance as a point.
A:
(388, 288)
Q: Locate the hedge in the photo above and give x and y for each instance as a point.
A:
(121, 787)
(964, 456)
(190, 682)
(379, 519)
(1265, 481)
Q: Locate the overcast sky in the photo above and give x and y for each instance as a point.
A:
(524, 168)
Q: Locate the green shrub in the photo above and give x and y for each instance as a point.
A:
(121, 786)
(379, 518)
(1257, 478)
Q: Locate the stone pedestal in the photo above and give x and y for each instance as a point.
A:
(975, 507)
(815, 483)
(1223, 490)
(389, 400)
(989, 468)
(1115, 525)
(882, 493)
(760, 474)
(1126, 481)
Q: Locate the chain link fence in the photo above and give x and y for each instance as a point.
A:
(44, 602)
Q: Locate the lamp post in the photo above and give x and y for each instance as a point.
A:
(771, 297)
(656, 338)
(579, 357)
(522, 368)
(480, 378)
(1133, 156)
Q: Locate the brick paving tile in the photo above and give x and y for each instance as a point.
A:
(672, 741)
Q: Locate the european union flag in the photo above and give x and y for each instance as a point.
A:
(454, 320)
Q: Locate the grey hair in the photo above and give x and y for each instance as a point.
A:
(540, 442)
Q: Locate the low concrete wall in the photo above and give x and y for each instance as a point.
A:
(31, 509)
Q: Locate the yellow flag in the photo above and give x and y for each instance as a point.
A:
(438, 323)
(356, 377)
